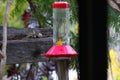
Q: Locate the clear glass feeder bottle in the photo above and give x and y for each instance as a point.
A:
(61, 22)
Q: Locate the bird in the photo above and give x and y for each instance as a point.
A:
(59, 42)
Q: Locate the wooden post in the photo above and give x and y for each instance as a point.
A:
(62, 68)
(93, 39)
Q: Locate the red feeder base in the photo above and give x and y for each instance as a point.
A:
(60, 51)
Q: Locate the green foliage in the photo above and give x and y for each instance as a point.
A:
(5, 70)
(2, 10)
(41, 10)
(16, 10)
(118, 78)
(19, 7)
(75, 45)
(113, 18)
(114, 23)
(74, 10)
(113, 41)
(44, 78)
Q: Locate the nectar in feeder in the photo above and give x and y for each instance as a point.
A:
(61, 23)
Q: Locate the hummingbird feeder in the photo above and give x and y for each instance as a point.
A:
(61, 39)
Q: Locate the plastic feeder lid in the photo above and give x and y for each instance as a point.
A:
(61, 4)
(61, 51)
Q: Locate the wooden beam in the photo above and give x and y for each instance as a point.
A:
(24, 50)
(16, 33)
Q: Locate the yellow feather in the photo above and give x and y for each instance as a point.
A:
(59, 42)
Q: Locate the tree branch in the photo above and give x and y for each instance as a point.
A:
(1, 55)
(115, 4)
(33, 9)
(3, 52)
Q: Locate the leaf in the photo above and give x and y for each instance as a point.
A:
(44, 78)
(5, 70)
